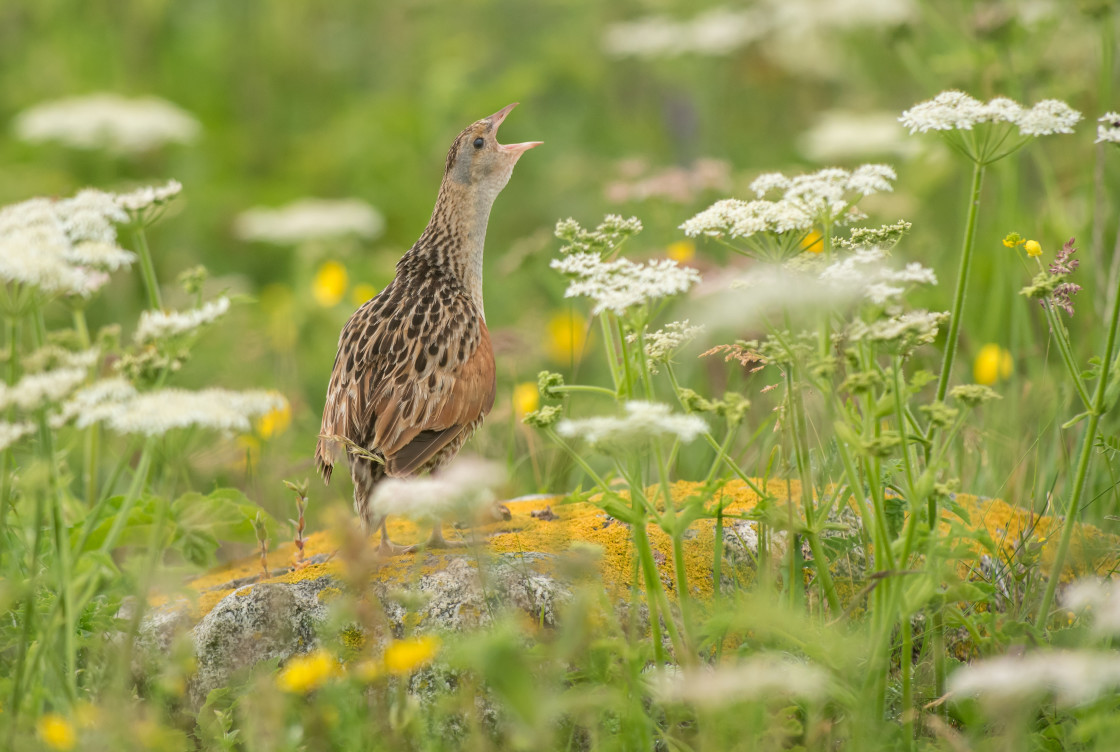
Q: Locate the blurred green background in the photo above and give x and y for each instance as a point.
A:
(354, 98)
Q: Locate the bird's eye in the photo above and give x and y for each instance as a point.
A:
(478, 142)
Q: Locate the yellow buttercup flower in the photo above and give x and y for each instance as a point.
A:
(567, 334)
(526, 398)
(992, 364)
(306, 673)
(57, 732)
(1032, 248)
(329, 284)
(681, 251)
(1014, 239)
(813, 242)
(405, 656)
(275, 421)
(361, 293)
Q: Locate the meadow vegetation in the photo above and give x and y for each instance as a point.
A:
(857, 262)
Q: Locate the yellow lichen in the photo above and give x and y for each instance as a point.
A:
(587, 523)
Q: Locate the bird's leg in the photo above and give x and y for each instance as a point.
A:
(438, 541)
(387, 547)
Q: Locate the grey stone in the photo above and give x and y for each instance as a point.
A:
(279, 620)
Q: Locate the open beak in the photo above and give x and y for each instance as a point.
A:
(516, 149)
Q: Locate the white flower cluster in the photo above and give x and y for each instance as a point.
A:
(1072, 677)
(108, 121)
(661, 344)
(156, 325)
(1108, 128)
(53, 356)
(909, 329)
(1101, 599)
(717, 31)
(741, 219)
(825, 195)
(759, 677)
(91, 398)
(839, 135)
(790, 32)
(149, 196)
(605, 237)
(309, 219)
(37, 390)
(883, 236)
(622, 284)
(10, 433)
(116, 404)
(60, 246)
(864, 269)
(955, 110)
(643, 421)
(462, 488)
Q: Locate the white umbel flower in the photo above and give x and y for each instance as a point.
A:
(865, 269)
(462, 488)
(955, 110)
(1100, 598)
(733, 218)
(759, 677)
(1071, 677)
(801, 201)
(309, 219)
(105, 256)
(1108, 128)
(642, 421)
(108, 121)
(10, 433)
(60, 247)
(155, 325)
(718, 31)
(155, 413)
(622, 284)
(37, 390)
(906, 330)
(149, 196)
(90, 403)
(661, 344)
(842, 135)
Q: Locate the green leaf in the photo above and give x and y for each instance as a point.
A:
(224, 515)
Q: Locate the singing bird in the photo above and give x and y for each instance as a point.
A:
(414, 374)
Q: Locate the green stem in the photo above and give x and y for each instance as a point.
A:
(148, 269)
(81, 328)
(1080, 479)
(120, 519)
(801, 450)
(602, 484)
(8, 460)
(577, 388)
(25, 641)
(905, 667)
(962, 284)
(1061, 338)
(612, 354)
(62, 559)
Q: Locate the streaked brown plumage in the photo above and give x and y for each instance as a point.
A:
(414, 373)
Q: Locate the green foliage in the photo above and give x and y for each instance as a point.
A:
(871, 578)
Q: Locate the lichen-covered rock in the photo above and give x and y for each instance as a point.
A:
(517, 564)
(253, 624)
(277, 620)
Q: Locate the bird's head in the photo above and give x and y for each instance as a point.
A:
(477, 159)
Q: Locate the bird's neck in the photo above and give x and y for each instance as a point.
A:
(454, 238)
